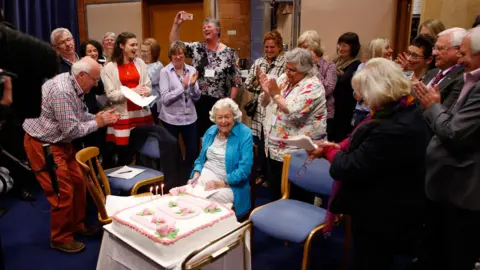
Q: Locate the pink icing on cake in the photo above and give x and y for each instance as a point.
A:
(212, 206)
(166, 241)
(164, 229)
(178, 190)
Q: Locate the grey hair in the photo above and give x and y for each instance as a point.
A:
(302, 59)
(81, 66)
(226, 103)
(457, 34)
(56, 33)
(109, 34)
(474, 35)
(215, 22)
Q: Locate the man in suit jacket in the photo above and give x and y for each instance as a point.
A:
(453, 168)
(448, 75)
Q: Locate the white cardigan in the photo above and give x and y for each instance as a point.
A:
(112, 84)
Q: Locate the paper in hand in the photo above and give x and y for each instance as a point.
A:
(301, 141)
(136, 98)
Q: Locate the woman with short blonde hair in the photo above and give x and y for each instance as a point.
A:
(379, 47)
(380, 169)
(431, 27)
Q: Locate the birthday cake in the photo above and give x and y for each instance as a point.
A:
(173, 225)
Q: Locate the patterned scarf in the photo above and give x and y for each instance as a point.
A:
(342, 63)
(381, 112)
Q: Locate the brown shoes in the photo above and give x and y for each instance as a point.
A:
(88, 231)
(70, 247)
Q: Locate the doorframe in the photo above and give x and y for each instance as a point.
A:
(403, 23)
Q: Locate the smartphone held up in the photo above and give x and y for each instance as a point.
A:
(187, 16)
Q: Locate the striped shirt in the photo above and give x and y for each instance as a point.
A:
(274, 69)
(64, 116)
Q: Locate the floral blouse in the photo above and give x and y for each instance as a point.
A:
(227, 73)
(307, 116)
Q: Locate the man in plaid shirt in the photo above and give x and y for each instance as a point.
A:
(64, 118)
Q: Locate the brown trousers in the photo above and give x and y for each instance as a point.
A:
(68, 217)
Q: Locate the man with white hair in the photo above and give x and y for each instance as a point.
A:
(63, 42)
(64, 118)
(448, 76)
(453, 169)
(108, 44)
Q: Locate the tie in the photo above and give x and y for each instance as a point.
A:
(438, 78)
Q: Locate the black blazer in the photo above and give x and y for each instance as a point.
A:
(383, 171)
(450, 87)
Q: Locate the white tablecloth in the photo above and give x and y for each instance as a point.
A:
(118, 255)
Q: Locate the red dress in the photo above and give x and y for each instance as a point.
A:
(135, 116)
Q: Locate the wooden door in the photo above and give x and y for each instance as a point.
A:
(158, 20)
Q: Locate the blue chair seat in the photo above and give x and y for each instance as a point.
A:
(127, 184)
(289, 220)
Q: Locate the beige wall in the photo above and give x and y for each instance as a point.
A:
(331, 18)
(113, 17)
(453, 13)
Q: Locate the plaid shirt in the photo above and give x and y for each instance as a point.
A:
(327, 73)
(64, 116)
(276, 68)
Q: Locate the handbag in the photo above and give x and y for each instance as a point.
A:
(251, 107)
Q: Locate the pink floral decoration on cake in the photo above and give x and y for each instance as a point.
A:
(212, 207)
(158, 220)
(146, 212)
(164, 230)
(178, 190)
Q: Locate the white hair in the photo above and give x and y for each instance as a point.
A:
(80, 66)
(380, 82)
(109, 34)
(226, 103)
(302, 59)
(313, 41)
(56, 33)
(474, 35)
(457, 35)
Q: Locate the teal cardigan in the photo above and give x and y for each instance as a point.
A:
(238, 162)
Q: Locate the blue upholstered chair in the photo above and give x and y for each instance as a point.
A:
(291, 220)
(147, 177)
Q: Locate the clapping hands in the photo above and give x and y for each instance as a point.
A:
(105, 118)
(142, 90)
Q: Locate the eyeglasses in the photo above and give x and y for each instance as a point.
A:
(60, 43)
(303, 169)
(289, 70)
(444, 48)
(414, 55)
(95, 80)
(343, 45)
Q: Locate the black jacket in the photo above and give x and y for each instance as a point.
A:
(383, 171)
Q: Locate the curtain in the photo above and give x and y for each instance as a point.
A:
(40, 17)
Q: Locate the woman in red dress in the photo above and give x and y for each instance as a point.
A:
(125, 69)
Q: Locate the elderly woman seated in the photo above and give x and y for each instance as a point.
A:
(380, 169)
(226, 157)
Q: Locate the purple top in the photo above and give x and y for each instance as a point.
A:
(178, 107)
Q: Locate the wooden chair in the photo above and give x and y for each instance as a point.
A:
(98, 189)
(220, 247)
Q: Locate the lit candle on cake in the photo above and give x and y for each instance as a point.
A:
(162, 189)
(156, 190)
(151, 192)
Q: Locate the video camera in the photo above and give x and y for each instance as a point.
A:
(29, 61)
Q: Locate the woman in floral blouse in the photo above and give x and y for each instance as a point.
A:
(218, 74)
(295, 105)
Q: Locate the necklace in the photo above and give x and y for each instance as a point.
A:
(222, 137)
